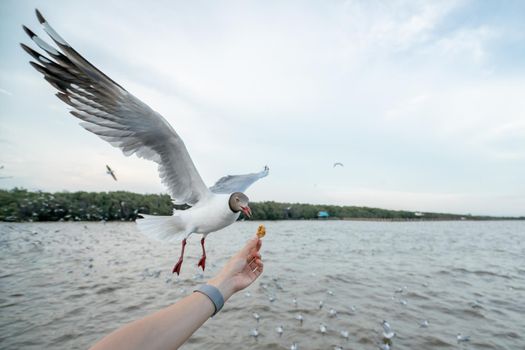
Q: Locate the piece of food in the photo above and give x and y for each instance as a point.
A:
(261, 231)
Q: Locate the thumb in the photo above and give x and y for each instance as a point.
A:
(250, 245)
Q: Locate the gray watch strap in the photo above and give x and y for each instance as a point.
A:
(214, 294)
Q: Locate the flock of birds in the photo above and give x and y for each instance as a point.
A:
(386, 333)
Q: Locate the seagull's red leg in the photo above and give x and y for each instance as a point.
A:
(178, 265)
(202, 261)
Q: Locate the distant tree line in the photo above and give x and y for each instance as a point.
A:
(23, 205)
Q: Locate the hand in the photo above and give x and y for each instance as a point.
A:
(241, 270)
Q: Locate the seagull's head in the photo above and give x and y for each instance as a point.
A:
(239, 202)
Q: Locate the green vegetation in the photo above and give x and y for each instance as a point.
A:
(23, 205)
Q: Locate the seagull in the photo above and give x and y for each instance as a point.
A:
(322, 328)
(332, 313)
(299, 318)
(462, 338)
(109, 111)
(384, 346)
(279, 330)
(321, 303)
(338, 164)
(4, 177)
(345, 334)
(294, 346)
(254, 333)
(424, 324)
(294, 301)
(256, 316)
(111, 172)
(387, 330)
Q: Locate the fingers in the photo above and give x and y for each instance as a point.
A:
(251, 257)
(256, 268)
(253, 244)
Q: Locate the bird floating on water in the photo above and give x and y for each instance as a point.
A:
(387, 330)
(424, 324)
(332, 313)
(254, 333)
(111, 172)
(322, 328)
(115, 115)
(279, 330)
(462, 338)
(384, 346)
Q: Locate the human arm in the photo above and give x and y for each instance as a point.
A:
(170, 327)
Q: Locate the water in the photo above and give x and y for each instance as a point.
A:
(65, 285)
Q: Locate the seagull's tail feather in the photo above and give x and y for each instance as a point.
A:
(161, 228)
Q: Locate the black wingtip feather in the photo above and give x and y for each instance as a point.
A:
(38, 67)
(41, 18)
(30, 51)
(29, 32)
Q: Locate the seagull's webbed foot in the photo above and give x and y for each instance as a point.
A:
(178, 265)
(202, 262)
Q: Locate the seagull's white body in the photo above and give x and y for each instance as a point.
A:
(209, 215)
(115, 115)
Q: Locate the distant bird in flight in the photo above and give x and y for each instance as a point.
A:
(4, 177)
(338, 164)
(111, 172)
(115, 115)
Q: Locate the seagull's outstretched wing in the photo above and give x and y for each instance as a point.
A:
(115, 115)
(238, 183)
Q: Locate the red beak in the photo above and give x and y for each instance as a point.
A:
(247, 211)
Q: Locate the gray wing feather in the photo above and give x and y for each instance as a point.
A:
(238, 183)
(112, 113)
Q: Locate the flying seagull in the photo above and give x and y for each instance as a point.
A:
(4, 177)
(111, 172)
(338, 164)
(115, 115)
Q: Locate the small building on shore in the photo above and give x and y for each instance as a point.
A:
(323, 214)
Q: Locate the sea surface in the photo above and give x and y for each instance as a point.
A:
(66, 285)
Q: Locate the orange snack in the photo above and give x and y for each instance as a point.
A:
(261, 231)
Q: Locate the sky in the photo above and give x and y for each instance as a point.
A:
(422, 101)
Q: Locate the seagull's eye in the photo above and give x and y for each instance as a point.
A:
(237, 199)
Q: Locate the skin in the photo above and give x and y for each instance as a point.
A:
(170, 327)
